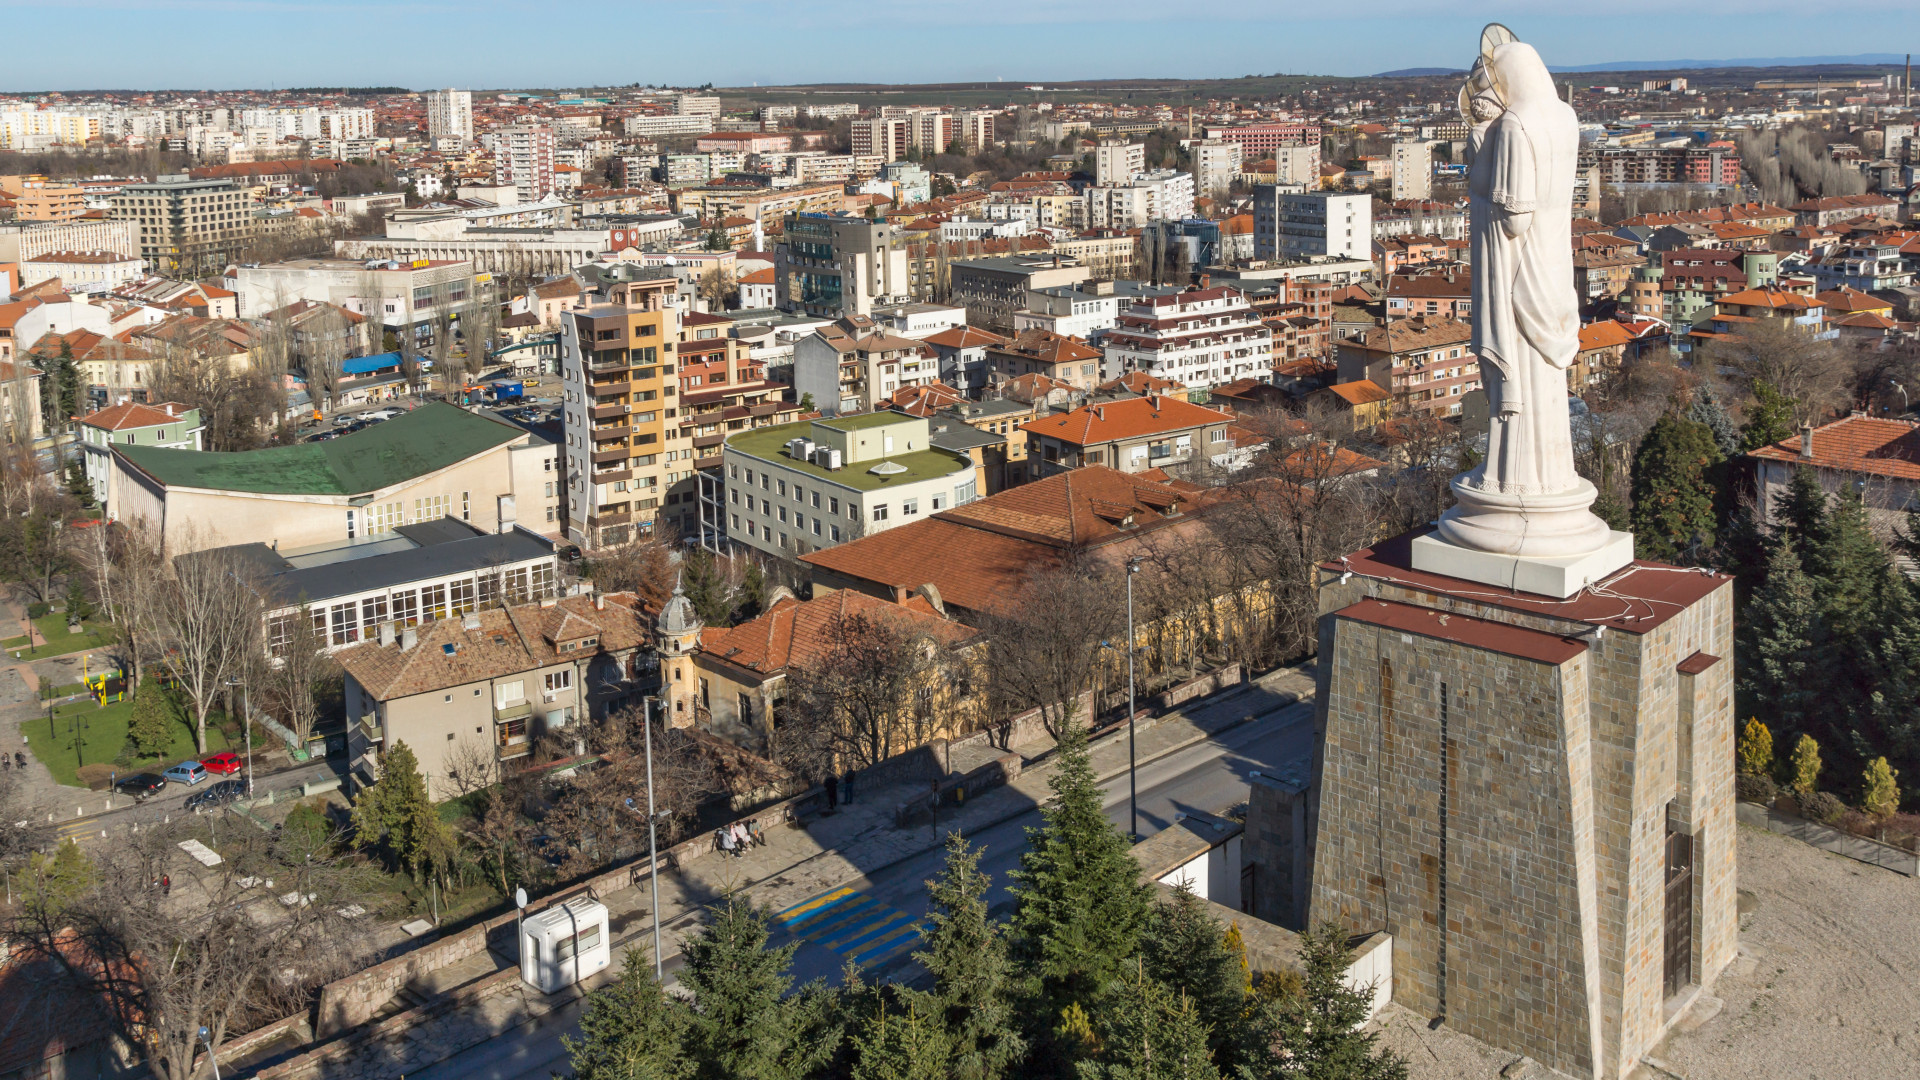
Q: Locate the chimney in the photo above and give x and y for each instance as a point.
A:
(1206, 280)
(1806, 442)
(599, 601)
(386, 633)
(408, 639)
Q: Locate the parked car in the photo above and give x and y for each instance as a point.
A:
(141, 786)
(188, 773)
(217, 796)
(226, 763)
(380, 414)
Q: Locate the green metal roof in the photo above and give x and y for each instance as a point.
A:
(768, 444)
(412, 444)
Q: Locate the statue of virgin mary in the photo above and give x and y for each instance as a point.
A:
(1525, 499)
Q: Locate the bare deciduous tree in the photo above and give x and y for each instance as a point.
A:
(1817, 375)
(870, 697)
(1044, 651)
(290, 679)
(203, 615)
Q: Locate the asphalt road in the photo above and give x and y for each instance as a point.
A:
(1208, 777)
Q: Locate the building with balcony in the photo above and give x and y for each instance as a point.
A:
(723, 389)
(834, 265)
(187, 228)
(169, 424)
(801, 487)
(1039, 354)
(1128, 434)
(617, 372)
(401, 296)
(1295, 225)
(992, 290)
(480, 688)
(1196, 338)
(1426, 364)
(852, 364)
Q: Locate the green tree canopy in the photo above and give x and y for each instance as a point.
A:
(631, 1029)
(1673, 490)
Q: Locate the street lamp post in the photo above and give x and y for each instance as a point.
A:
(246, 727)
(653, 849)
(1133, 784)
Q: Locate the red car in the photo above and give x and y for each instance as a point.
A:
(224, 763)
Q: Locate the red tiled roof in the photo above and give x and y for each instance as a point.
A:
(1604, 334)
(964, 337)
(1124, 418)
(1859, 444)
(1360, 392)
(130, 415)
(798, 633)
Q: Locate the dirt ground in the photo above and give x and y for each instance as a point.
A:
(1826, 986)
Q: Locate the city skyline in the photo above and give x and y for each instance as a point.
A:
(144, 44)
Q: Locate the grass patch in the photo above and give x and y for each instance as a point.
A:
(53, 627)
(101, 740)
(463, 808)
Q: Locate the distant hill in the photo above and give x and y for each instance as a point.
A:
(1866, 59)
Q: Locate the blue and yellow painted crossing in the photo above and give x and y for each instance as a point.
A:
(854, 925)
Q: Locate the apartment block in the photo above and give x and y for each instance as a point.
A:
(523, 157)
(884, 137)
(450, 115)
(188, 228)
(1298, 225)
(1117, 161)
(833, 265)
(36, 198)
(1216, 163)
(1412, 169)
(1198, 338)
(617, 368)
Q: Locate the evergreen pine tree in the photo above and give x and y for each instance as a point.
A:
(1893, 709)
(1186, 949)
(1755, 752)
(1673, 492)
(1080, 903)
(967, 956)
(1801, 510)
(1769, 418)
(1848, 567)
(905, 1042)
(744, 1027)
(1314, 1031)
(1706, 411)
(1780, 637)
(150, 731)
(707, 588)
(395, 816)
(1150, 1031)
(631, 1030)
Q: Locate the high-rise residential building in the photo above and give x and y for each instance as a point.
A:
(976, 129)
(1297, 165)
(696, 105)
(1412, 169)
(883, 137)
(1116, 161)
(449, 115)
(618, 382)
(930, 131)
(1290, 225)
(1164, 195)
(1216, 162)
(833, 265)
(187, 227)
(523, 157)
(1198, 338)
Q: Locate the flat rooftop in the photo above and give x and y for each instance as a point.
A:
(769, 444)
(418, 552)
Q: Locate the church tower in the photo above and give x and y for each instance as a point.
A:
(676, 639)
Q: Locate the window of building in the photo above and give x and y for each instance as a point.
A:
(433, 602)
(461, 596)
(816, 526)
(880, 512)
(559, 680)
(909, 506)
(783, 489)
(406, 607)
(816, 500)
(783, 515)
(835, 532)
(833, 507)
(939, 503)
(966, 493)
(346, 627)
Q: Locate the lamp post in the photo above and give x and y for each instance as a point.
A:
(653, 849)
(246, 727)
(1133, 783)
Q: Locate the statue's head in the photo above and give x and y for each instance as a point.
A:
(1508, 74)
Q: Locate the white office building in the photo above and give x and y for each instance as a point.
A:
(1289, 225)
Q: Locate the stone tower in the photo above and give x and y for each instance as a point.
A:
(676, 638)
(1533, 795)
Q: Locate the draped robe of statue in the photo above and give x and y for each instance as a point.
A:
(1524, 498)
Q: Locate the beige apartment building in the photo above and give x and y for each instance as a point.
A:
(188, 228)
(617, 370)
(36, 198)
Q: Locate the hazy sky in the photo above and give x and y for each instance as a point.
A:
(112, 44)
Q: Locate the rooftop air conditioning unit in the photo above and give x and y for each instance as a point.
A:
(806, 449)
(833, 460)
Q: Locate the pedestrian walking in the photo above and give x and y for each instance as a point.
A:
(19, 759)
(833, 791)
(166, 885)
(846, 787)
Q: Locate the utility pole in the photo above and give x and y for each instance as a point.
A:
(653, 848)
(1133, 781)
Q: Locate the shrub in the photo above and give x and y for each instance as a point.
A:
(1822, 807)
(1806, 765)
(1756, 789)
(38, 610)
(1880, 796)
(1756, 748)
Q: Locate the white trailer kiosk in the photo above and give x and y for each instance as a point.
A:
(564, 944)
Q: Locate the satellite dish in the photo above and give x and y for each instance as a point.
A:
(520, 897)
(1494, 36)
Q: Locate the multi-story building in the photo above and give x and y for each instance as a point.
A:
(930, 131)
(1412, 169)
(993, 289)
(400, 296)
(82, 271)
(1299, 225)
(884, 137)
(1197, 338)
(834, 265)
(169, 424)
(801, 487)
(696, 105)
(1068, 361)
(36, 198)
(1165, 195)
(1426, 364)
(1117, 161)
(1261, 140)
(851, 365)
(617, 369)
(1296, 164)
(1131, 434)
(1216, 164)
(1717, 165)
(976, 129)
(188, 228)
(650, 126)
(523, 157)
(23, 240)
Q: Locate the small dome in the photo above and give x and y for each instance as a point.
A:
(678, 616)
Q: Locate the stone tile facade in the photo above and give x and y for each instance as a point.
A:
(1494, 784)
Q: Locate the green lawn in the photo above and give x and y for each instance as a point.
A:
(53, 627)
(100, 742)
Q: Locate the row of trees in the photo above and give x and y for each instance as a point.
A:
(1093, 977)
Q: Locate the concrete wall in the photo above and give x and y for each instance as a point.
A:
(1278, 846)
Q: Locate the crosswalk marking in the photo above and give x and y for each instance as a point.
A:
(853, 924)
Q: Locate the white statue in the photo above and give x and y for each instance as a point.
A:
(1525, 499)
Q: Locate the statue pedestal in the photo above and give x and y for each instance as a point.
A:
(1558, 576)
